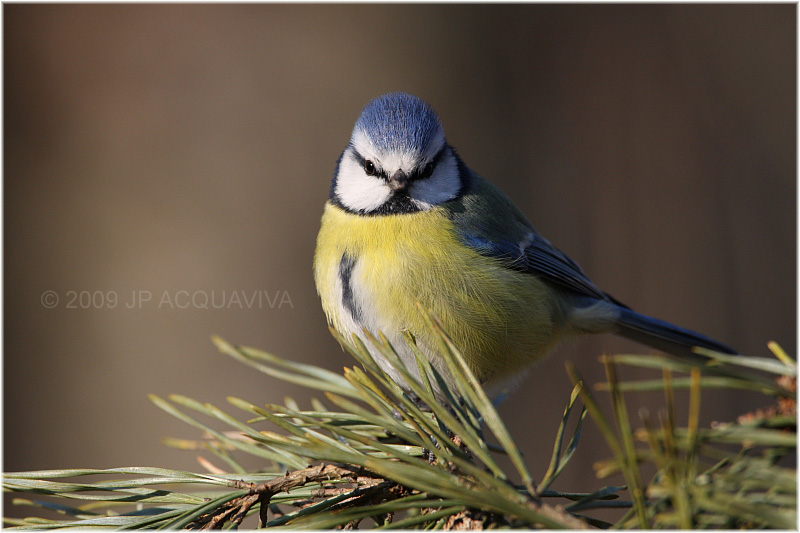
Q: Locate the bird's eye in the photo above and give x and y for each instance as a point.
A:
(369, 167)
(427, 171)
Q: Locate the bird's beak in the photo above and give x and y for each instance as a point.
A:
(398, 181)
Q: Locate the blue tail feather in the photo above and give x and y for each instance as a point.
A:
(665, 336)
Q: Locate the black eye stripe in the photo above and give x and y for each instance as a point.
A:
(359, 158)
(362, 161)
(427, 170)
(419, 173)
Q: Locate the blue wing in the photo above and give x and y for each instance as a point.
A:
(487, 221)
(535, 255)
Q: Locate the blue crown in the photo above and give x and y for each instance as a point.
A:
(399, 122)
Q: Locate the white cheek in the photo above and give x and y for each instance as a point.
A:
(356, 190)
(441, 187)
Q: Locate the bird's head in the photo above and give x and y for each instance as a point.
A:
(398, 160)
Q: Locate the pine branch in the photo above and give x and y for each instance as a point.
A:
(403, 459)
(369, 487)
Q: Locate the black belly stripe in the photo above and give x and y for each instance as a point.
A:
(345, 272)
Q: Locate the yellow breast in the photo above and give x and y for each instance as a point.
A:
(500, 319)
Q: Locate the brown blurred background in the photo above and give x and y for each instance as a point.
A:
(156, 149)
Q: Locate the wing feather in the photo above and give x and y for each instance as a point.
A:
(490, 223)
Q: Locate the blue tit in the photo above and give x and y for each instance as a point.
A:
(408, 221)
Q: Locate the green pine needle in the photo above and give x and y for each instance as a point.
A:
(373, 454)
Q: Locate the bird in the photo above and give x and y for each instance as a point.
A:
(408, 223)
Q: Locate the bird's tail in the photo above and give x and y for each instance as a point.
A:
(665, 336)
